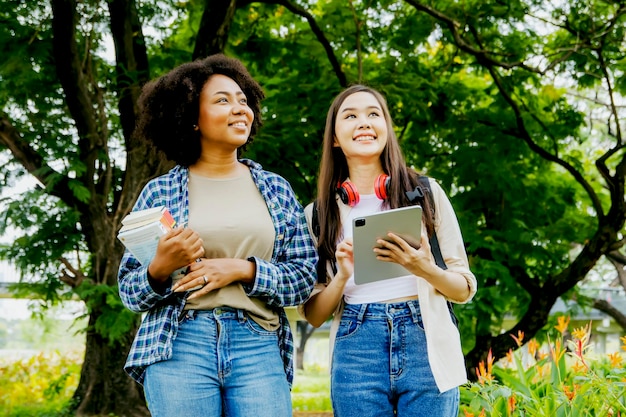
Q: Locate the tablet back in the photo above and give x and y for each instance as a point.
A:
(366, 230)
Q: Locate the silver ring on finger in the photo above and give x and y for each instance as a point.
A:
(205, 279)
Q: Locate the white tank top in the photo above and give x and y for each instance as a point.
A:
(380, 291)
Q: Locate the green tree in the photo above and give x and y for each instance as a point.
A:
(514, 107)
(66, 119)
(548, 113)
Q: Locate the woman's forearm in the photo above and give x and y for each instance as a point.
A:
(322, 305)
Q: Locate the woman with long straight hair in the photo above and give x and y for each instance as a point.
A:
(395, 347)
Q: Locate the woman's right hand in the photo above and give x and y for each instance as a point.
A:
(177, 248)
(345, 259)
(323, 304)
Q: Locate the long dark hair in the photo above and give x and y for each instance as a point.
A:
(334, 169)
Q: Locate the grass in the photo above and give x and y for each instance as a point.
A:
(42, 386)
(311, 390)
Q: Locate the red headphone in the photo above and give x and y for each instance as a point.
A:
(350, 196)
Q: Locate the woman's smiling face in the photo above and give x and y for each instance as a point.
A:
(360, 126)
(225, 117)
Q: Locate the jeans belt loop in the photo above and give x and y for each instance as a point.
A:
(241, 315)
(361, 315)
(182, 313)
(414, 307)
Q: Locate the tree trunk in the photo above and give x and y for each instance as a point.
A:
(306, 331)
(105, 388)
(214, 27)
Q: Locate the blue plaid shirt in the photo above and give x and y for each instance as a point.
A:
(287, 280)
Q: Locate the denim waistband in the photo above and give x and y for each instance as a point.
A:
(221, 312)
(409, 308)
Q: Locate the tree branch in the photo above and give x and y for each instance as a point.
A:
(606, 307)
(330, 53)
(74, 278)
(133, 72)
(619, 261)
(23, 152)
(214, 27)
(482, 55)
(359, 53)
(34, 163)
(69, 69)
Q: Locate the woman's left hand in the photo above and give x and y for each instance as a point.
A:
(213, 274)
(416, 258)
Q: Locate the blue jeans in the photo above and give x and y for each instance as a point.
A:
(380, 365)
(223, 364)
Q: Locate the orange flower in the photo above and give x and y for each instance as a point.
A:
(579, 366)
(519, 339)
(623, 339)
(541, 372)
(532, 347)
(563, 322)
(570, 392)
(510, 356)
(484, 374)
(582, 333)
(511, 404)
(581, 342)
(616, 359)
(557, 351)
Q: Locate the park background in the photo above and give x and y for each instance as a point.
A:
(515, 107)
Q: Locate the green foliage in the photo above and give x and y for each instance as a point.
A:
(42, 386)
(506, 104)
(39, 386)
(311, 391)
(565, 381)
(113, 320)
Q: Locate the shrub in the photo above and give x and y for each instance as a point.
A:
(41, 385)
(563, 380)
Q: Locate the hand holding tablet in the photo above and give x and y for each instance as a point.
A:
(405, 222)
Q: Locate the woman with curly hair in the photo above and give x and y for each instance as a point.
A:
(215, 342)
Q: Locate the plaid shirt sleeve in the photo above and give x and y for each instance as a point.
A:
(134, 288)
(290, 276)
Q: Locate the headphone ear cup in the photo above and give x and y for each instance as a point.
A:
(381, 187)
(348, 193)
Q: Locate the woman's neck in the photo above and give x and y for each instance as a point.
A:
(214, 166)
(364, 177)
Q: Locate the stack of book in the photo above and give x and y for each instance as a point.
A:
(141, 231)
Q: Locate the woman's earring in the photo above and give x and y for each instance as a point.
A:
(195, 127)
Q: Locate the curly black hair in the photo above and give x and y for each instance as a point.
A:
(169, 106)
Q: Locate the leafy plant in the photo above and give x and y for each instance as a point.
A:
(563, 379)
(41, 385)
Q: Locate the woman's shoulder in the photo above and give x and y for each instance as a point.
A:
(173, 175)
(269, 176)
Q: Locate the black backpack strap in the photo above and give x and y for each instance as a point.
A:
(434, 242)
(418, 195)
